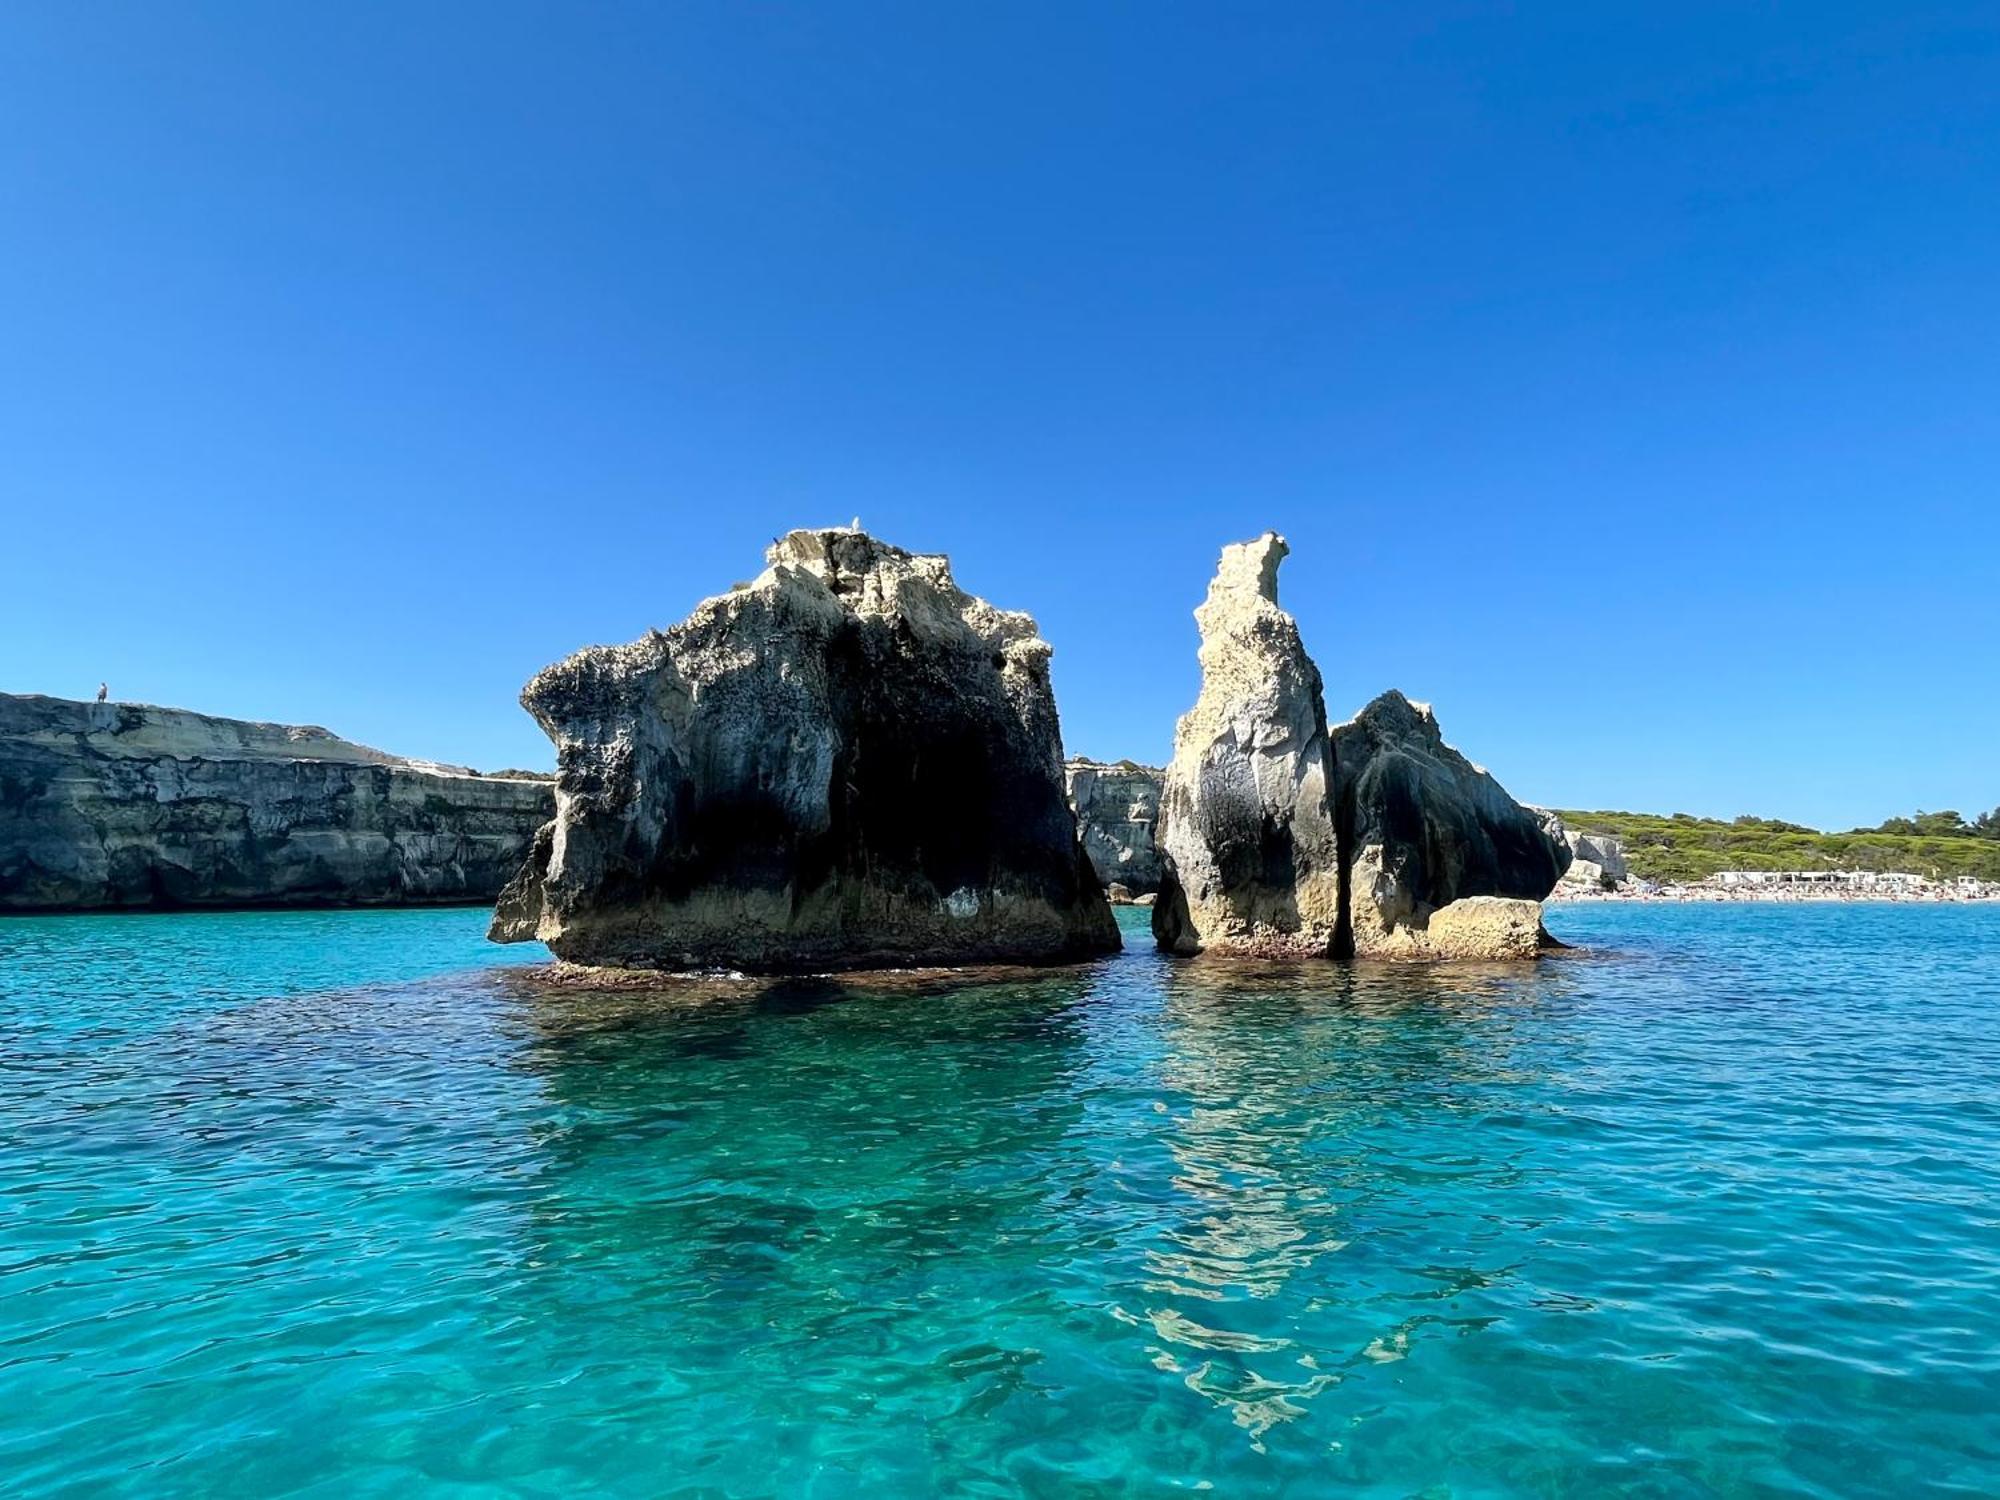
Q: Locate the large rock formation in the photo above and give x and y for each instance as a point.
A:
(1597, 861)
(1373, 840)
(848, 762)
(1422, 829)
(108, 805)
(1252, 859)
(1118, 810)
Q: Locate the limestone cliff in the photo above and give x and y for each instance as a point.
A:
(1252, 862)
(112, 805)
(847, 762)
(1597, 860)
(1118, 810)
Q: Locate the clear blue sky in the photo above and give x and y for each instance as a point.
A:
(1626, 377)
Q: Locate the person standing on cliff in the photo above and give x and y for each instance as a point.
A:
(103, 691)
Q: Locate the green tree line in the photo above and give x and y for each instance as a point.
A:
(1942, 825)
(1680, 847)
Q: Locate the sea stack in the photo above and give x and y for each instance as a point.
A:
(1251, 855)
(1372, 840)
(848, 762)
(1439, 861)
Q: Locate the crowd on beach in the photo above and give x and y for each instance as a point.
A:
(1791, 886)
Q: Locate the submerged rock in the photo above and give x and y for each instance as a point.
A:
(1422, 829)
(848, 762)
(1252, 862)
(1118, 809)
(116, 805)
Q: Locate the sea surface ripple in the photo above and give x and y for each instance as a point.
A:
(337, 1204)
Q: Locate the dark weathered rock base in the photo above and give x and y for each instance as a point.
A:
(848, 763)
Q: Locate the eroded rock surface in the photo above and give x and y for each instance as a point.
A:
(112, 805)
(1474, 927)
(848, 762)
(1252, 864)
(1118, 810)
(1373, 840)
(1421, 830)
(1597, 861)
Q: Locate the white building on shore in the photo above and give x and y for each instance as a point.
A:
(1832, 880)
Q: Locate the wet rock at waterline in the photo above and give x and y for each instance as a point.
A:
(848, 762)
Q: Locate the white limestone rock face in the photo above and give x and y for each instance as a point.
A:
(1597, 861)
(1251, 861)
(123, 805)
(848, 762)
(1422, 829)
(1118, 810)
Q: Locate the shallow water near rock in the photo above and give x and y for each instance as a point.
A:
(340, 1203)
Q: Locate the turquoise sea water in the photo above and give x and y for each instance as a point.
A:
(334, 1204)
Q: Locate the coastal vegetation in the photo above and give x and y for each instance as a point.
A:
(1679, 847)
(1951, 825)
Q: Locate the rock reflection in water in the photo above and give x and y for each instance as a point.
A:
(1276, 1075)
(778, 1182)
(1706, 1213)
